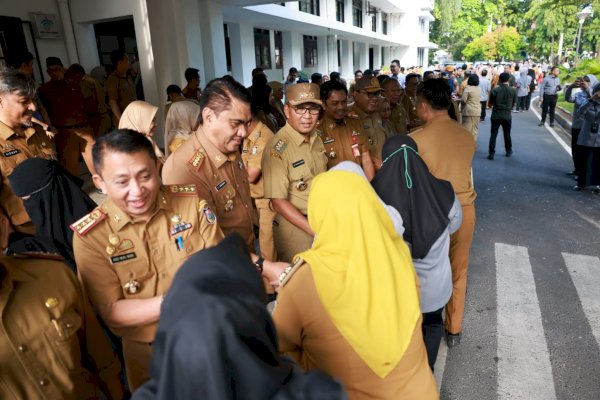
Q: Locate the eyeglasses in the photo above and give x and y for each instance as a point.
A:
(304, 110)
(369, 95)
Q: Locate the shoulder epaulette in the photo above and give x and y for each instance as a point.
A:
(181, 190)
(352, 115)
(290, 270)
(39, 255)
(196, 160)
(85, 224)
(280, 146)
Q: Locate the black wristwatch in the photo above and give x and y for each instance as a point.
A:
(259, 264)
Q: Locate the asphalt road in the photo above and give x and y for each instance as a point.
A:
(532, 319)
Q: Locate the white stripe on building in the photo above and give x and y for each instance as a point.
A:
(524, 369)
(585, 273)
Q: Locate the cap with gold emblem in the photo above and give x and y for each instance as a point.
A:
(369, 84)
(301, 93)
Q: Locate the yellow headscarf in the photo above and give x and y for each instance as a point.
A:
(138, 116)
(362, 269)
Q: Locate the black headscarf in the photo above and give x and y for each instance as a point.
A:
(56, 201)
(216, 340)
(424, 201)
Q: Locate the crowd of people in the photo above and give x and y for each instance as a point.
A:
(292, 239)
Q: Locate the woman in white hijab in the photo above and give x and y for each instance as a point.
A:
(141, 117)
(182, 121)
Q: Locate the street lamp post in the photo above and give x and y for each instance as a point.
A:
(582, 16)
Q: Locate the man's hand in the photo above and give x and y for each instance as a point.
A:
(272, 270)
(51, 132)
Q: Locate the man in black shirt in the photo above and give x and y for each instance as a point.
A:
(502, 100)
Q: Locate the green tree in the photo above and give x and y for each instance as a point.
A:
(503, 43)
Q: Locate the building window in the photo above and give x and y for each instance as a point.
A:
(384, 23)
(262, 48)
(227, 47)
(339, 53)
(278, 50)
(373, 16)
(311, 52)
(339, 10)
(357, 13)
(420, 56)
(309, 6)
(422, 24)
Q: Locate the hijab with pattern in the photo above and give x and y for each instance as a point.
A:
(55, 201)
(217, 341)
(365, 278)
(424, 201)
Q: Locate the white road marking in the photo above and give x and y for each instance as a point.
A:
(585, 273)
(524, 369)
(551, 130)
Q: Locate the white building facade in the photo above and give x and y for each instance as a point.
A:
(227, 36)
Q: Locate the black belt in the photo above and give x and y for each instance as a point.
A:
(550, 94)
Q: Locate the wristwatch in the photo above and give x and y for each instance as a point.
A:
(259, 264)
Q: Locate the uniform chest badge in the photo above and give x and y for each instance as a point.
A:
(332, 154)
(210, 216)
(179, 225)
(328, 140)
(301, 186)
(132, 287)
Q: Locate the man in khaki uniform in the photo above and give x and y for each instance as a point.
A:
(342, 136)
(210, 159)
(129, 248)
(253, 151)
(119, 85)
(296, 156)
(366, 97)
(393, 92)
(409, 101)
(51, 345)
(447, 148)
(19, 140)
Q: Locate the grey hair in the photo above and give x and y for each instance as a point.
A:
(13, 81)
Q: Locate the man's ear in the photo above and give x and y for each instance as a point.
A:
(99, 182)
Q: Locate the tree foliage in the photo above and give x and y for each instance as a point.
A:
(501, 44)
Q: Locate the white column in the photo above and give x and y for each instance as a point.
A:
(272, 47)
(213, 39)
(348, 12)
(323, 66)
(65, 18)
(190, 15)
(292, 51)
(363, 56)
(377, 63)
(241, 42)
(386, 55)
(347, 67)
(332, 54)
(86, 46)
(379, 22)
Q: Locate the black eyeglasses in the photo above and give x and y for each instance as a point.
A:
(304, 110)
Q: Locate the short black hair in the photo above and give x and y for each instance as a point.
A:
(120, 141)
(367, 72)
(293, 70)
(257, 70)
(397, 62)
(76, 69)
(358, 71)
(388, 81)
(191, 73)
(218, 93)
(473, 80)
(335, 76)
(411, 76)
(436, 93)
(17, 58)
(381, 78)
(330, 86)
(484, 72)
(116, 56)
(13, 81)
(428, 75)
(504, 77)
(173, 89)
(316, 78)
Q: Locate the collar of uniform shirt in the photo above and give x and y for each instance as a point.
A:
(119, 218)
(214, 154)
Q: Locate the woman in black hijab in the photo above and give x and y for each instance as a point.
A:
(54, 200)
(430, 213)
(216, 340)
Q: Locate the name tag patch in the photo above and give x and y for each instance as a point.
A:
(122, 257)
(329, 140)
(11, 153)
(221, 185)
(298, 163)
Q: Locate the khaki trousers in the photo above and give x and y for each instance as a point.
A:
(471, 123)
(460, 244)
(266, 215)
(289, 239)
(138, 356)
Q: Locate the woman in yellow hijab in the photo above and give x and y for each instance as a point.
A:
(181, 123)
(352, 308)
(141, 117)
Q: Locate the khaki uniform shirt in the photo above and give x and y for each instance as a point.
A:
(252, 153)
(120, 88)
(41, 359)
(447, 148)
(338, 138)
(373, 127)
(410, 106)
(398, 119)
(120, 258)
(291, 161)
(220, 179)
(15, 149)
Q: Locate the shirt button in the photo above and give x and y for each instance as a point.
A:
(22, 348)
(163, 275)
(189, 249)
(43, 382)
